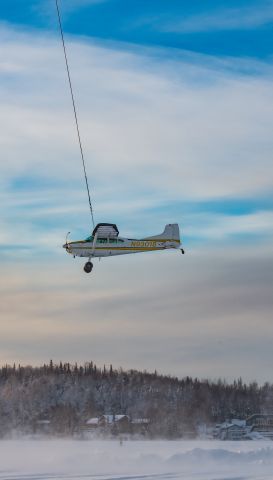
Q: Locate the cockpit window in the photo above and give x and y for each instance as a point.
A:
(104, 240)
(89, 239)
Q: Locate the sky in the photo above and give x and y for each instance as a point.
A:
(174, 102)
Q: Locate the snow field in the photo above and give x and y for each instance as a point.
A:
(147, 460)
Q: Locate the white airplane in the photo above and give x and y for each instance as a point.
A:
(106, 242)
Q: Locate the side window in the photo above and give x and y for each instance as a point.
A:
(102, 240)
(112, 240)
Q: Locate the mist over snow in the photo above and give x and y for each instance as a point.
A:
(109, 460)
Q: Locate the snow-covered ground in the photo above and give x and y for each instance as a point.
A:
(146, 460)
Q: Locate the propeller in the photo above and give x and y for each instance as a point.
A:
(66, 244)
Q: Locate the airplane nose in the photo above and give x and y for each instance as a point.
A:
(67, 247)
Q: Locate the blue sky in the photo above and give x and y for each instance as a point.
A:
(233, 28)
(174, 101)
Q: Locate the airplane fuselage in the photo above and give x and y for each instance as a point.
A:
(105, 247)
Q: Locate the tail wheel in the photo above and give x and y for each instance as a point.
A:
(88, 267)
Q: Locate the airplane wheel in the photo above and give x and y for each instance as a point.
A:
(88, 267)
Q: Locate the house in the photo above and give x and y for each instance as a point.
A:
(111, 419)
(115, 423)
(261, 425)
(234, 429)
(112, 423)
(92, 423)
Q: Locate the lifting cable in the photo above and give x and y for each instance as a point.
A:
(75, 113)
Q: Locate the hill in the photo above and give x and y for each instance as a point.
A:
(67, 395)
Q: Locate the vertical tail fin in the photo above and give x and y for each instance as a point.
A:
(171, 232)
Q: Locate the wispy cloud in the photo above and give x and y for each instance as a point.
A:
(224, 19)
(154, 132)
(223, 227)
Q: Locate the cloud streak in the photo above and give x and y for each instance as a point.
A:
(155, 132)
(226, 19)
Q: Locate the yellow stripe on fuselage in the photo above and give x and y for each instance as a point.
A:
(144, 240)
(119, 248)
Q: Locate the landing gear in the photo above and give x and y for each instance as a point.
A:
(88, 267)
(182, 251)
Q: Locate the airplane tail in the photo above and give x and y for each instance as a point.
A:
(171, 233)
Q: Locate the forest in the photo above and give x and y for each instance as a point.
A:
(66, 396)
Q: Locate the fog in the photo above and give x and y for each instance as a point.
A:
(106, 460)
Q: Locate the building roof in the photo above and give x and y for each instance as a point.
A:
(92, 421)
(235, 423)
(114, 418)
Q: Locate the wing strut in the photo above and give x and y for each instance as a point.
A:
(75, 113)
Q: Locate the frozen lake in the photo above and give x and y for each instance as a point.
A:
(146, 460)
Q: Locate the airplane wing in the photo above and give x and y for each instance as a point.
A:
(106, 230)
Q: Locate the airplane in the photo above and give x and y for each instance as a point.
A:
(106, 242)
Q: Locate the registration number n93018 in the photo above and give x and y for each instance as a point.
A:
(144, 243)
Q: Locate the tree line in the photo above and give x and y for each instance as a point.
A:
(66, 395)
